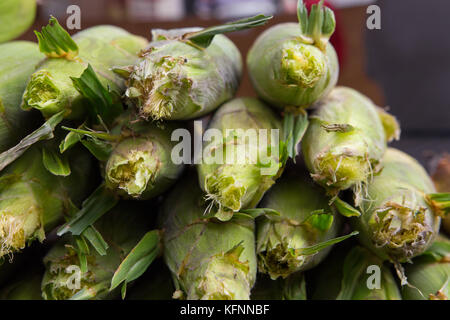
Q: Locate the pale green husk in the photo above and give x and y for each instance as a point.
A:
(121, 228)
(16, 16)
(175, 80)
(51, 90)
(280, 240)
(208, 259)
(345, 141)
(345, 275)
(18, 60)
(32, 200)
(140, 166)
(234, 185)
(429, 275)
(431, 279)
(397, 222)
(287, 72)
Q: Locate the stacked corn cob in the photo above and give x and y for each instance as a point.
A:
(257, 225)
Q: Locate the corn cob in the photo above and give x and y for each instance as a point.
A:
(51, 89)
(303, 234)
(121, 229)
(187, 73)
(353, 274)
(429, 275)
(236, 172)
(33, 200)
(18, 60)
(345, 142)
(400, 217)
(16, 16)
(292, 65)
(208, 259)
(140, 165)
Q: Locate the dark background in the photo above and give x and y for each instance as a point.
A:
(405, 65)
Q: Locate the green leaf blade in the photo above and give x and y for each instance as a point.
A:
(104, 104)
(99, 149)
(257, 212)
(55, 163)
(99, 202)
(204, 37)
(322, 245)
(345, 209)
(138, 260)
(96, 240)
(45, 132)
(55, 42)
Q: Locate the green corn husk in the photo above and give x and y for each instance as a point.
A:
(429, 275)
(140, 165)
(33, 200)
(441, 179)
(187, 73)
(155, 284)
(345, 141)
(16, 16)
(18, 60)
(177, 81)
(121, 229)
(252, 166)
(136, 161)
(284, 243)
(291, 288)
(347, 275)
(399, 220)
(27, 287)
(292, 65)
(51, 89)
(209, 259)
(135, 156)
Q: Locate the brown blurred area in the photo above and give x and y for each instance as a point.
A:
(352, 24)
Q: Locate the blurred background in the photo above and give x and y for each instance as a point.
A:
(405, 65)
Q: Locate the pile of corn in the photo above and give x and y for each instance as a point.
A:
(99, 200)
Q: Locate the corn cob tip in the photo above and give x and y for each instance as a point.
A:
(132, 167)
(280, 261)
(224, 191)
(302, 65)
(61, 281)
(41, 93)
(224, 279)
(402, 228)
(19, 222)
(342, 172)
(157, 92)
